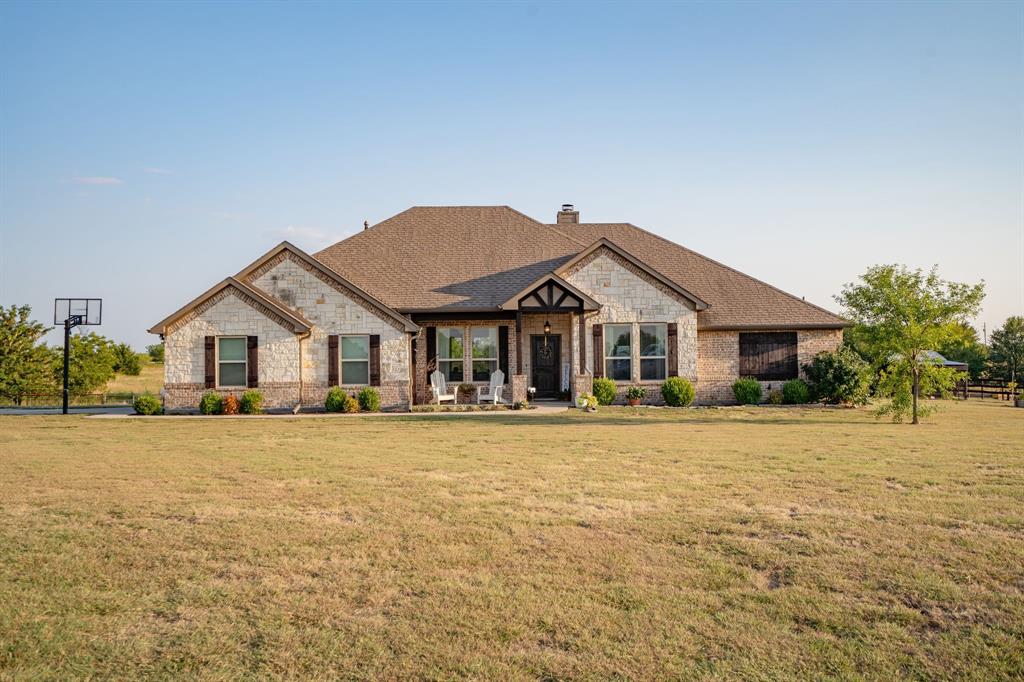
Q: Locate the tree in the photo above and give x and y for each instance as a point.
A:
(126, 361)
(91, 363)
(1007, 357)
(964, 346)
(25, 363)
(156, 352)
(900, 313)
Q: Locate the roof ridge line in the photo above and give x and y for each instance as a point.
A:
(731, 269)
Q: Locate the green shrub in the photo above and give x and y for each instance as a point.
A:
(604, 391)
(350, 405)
(636, 392)
(775, 397)
(126, 361)
(747, 391)
(369, 399)
(156, 352)
(795, 392)
(335, 400)
(252, 402)
(839, 376)
(677, 392)
(147, 403)
(211, 403)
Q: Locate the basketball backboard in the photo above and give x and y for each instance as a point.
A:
(77, 310)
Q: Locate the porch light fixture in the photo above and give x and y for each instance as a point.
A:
(547, 330)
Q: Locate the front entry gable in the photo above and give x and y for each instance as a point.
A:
(551, 294)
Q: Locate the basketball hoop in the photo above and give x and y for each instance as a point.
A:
(74, 312)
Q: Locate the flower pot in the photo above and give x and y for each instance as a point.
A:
(1018, 402)
(633, 402)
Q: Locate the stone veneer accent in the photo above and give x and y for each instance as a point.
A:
(718, 360)
(331, 309)
(627, 294)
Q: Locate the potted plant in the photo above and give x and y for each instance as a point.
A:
(1019, 400)
(586, 401)
(634, 394)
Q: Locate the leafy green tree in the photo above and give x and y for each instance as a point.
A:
(1007, 357)
(25, 362)
(900, 314)
(91, 363)
(126, 360)
(964, 346)
(156, 352)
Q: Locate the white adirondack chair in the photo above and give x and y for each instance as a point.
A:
(491, 393)
(440, 389)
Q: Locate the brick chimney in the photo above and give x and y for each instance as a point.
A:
(568, 215)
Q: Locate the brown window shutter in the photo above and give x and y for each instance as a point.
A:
(503, 350)
(211, 361)
(332, 360)
(252, 379)
(375, 359)
(673, 350)
(431, 333)
(598, 351)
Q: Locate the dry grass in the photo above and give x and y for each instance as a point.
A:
(151, 380)
(756, 544)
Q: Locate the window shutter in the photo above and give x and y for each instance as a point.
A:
(211, 361)
(252, 379)
(503, 350)
(332, 360)
(431, 349)
(375, 359)
(673, 350)
(598, 351)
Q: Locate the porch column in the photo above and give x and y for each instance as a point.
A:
(519, 342)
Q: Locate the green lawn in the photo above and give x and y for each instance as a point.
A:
(744, 543)
(150, 380)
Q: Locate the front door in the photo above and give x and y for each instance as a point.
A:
(545, 360)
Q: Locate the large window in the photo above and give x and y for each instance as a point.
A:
(768, 356)
(653, 359)
(231, 366)
(355, 359)
(618, 362)
(450, 352)
(484, 343)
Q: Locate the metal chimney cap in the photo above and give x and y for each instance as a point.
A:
(567, 207)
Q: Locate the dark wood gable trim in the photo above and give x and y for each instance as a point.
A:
(551, 297)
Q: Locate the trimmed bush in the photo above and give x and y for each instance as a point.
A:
(795, 392)
(147, 403)
(369, 399)
(677, 392)
(252, 402)
(840, 376)
(775, 397)
(231, 405)
(747, 391)
(211, 403)
(335, 400)
(350, 405)
(604, 391)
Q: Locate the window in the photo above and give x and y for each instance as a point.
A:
(484, 344)
(768, 356)
(618, 359)
(355, 359)
(450, 353)
(653, 360)
(231, 354)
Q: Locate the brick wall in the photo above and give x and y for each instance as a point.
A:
(423, 394)
(718, 361)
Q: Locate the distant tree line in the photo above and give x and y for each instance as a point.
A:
(29, 366)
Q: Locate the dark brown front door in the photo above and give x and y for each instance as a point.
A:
(545, 360)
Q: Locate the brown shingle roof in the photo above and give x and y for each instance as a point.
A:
(463, 258)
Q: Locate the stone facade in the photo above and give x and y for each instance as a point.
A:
(718, 361)
(627, 294)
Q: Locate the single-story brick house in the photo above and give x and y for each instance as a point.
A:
(472, 289)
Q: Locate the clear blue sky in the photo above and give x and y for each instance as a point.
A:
(148, 150)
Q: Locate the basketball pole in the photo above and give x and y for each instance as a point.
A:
(67, 360)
